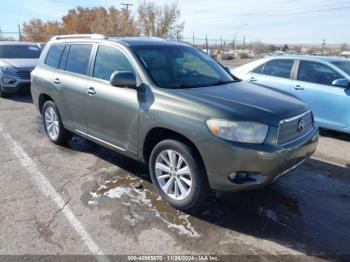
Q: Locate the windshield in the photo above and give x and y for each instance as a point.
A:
(19, 51)
(181, 67)
(343, 65)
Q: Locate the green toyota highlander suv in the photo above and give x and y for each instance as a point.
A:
(174, 107)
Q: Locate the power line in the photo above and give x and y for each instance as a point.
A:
(274, 14)
(127, 6)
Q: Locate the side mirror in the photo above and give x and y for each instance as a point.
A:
(123, 79)
(342, 82)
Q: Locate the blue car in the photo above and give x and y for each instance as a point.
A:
(322, 82)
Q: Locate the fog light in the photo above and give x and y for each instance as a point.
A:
(8, 80)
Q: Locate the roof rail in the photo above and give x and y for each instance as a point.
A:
(79, 36)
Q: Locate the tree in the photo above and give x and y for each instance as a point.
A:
(99, 20)
(285, 48)
(37, 30)
(160, 21)
(152, 20)
(343, 47)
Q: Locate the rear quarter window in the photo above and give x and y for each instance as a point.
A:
(53, 56)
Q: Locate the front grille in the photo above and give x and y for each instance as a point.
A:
(291, 129)
(24, 74)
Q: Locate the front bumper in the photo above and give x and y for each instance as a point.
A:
(261, 164)
(17, 87)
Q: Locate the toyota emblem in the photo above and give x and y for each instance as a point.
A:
(301, 125)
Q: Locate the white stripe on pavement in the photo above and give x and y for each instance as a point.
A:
(329, 162)
(49, 191)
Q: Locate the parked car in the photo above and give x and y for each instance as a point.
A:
(17, 60)
(322, 82)
(174, 107)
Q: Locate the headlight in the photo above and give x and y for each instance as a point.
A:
(244, 132)
(8, 80)
(5, 68)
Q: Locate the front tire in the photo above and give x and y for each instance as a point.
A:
(178, 175)
(53, 124)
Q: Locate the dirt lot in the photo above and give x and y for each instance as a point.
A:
(84, 199)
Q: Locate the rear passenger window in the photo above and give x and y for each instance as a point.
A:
(78, 59)
(54, 55)
(108, 60)
(279, 68)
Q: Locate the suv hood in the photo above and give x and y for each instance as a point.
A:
(19, 63)
(246, 102)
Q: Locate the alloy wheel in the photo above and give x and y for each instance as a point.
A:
(52, 123)
(173, 174)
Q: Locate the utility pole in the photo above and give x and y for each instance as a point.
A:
(19, 33)
(221, 41)
(206, 43)
(193, 39)
(127, 6)
(323, 45)
(251, 47)
(244, 43)
(59, 28)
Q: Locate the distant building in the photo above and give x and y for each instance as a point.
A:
(345, 54)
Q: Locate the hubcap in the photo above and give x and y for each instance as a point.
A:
(173, 174)
(51, 123)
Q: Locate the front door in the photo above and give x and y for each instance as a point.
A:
(330, 104)
(112, 113)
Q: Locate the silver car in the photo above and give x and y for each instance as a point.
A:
(17, 60)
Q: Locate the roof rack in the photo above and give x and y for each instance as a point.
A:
(79, 36)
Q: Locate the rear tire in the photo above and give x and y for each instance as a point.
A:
(182, 181)
(53, 124)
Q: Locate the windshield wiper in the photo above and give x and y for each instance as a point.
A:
(222, 82)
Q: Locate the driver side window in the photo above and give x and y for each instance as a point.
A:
(317, 73)
(108, 60)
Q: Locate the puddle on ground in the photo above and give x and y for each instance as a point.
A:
(136, 193)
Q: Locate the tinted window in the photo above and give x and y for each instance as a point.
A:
(279, 68)
(64, 58)
(343, 65)
(109, 60)
(316, 73)
(54, 55)
(19, 51)
(174, 66)
(78, 59)
(259, 69)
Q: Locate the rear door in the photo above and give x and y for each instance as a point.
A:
(112, 112)
(330, 104)
(274, 73)
(72, 79)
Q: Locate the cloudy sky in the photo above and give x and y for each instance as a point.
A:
(271, 21)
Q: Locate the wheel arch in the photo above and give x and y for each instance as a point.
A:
(158, 134)
(42, 99)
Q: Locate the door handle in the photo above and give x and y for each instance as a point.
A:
(91, 91)
(252, 79)
(57, 81)
(298, 87)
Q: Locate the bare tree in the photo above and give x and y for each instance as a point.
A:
(343, 47)
(160, 21)
(152, 20)
(37, 30)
